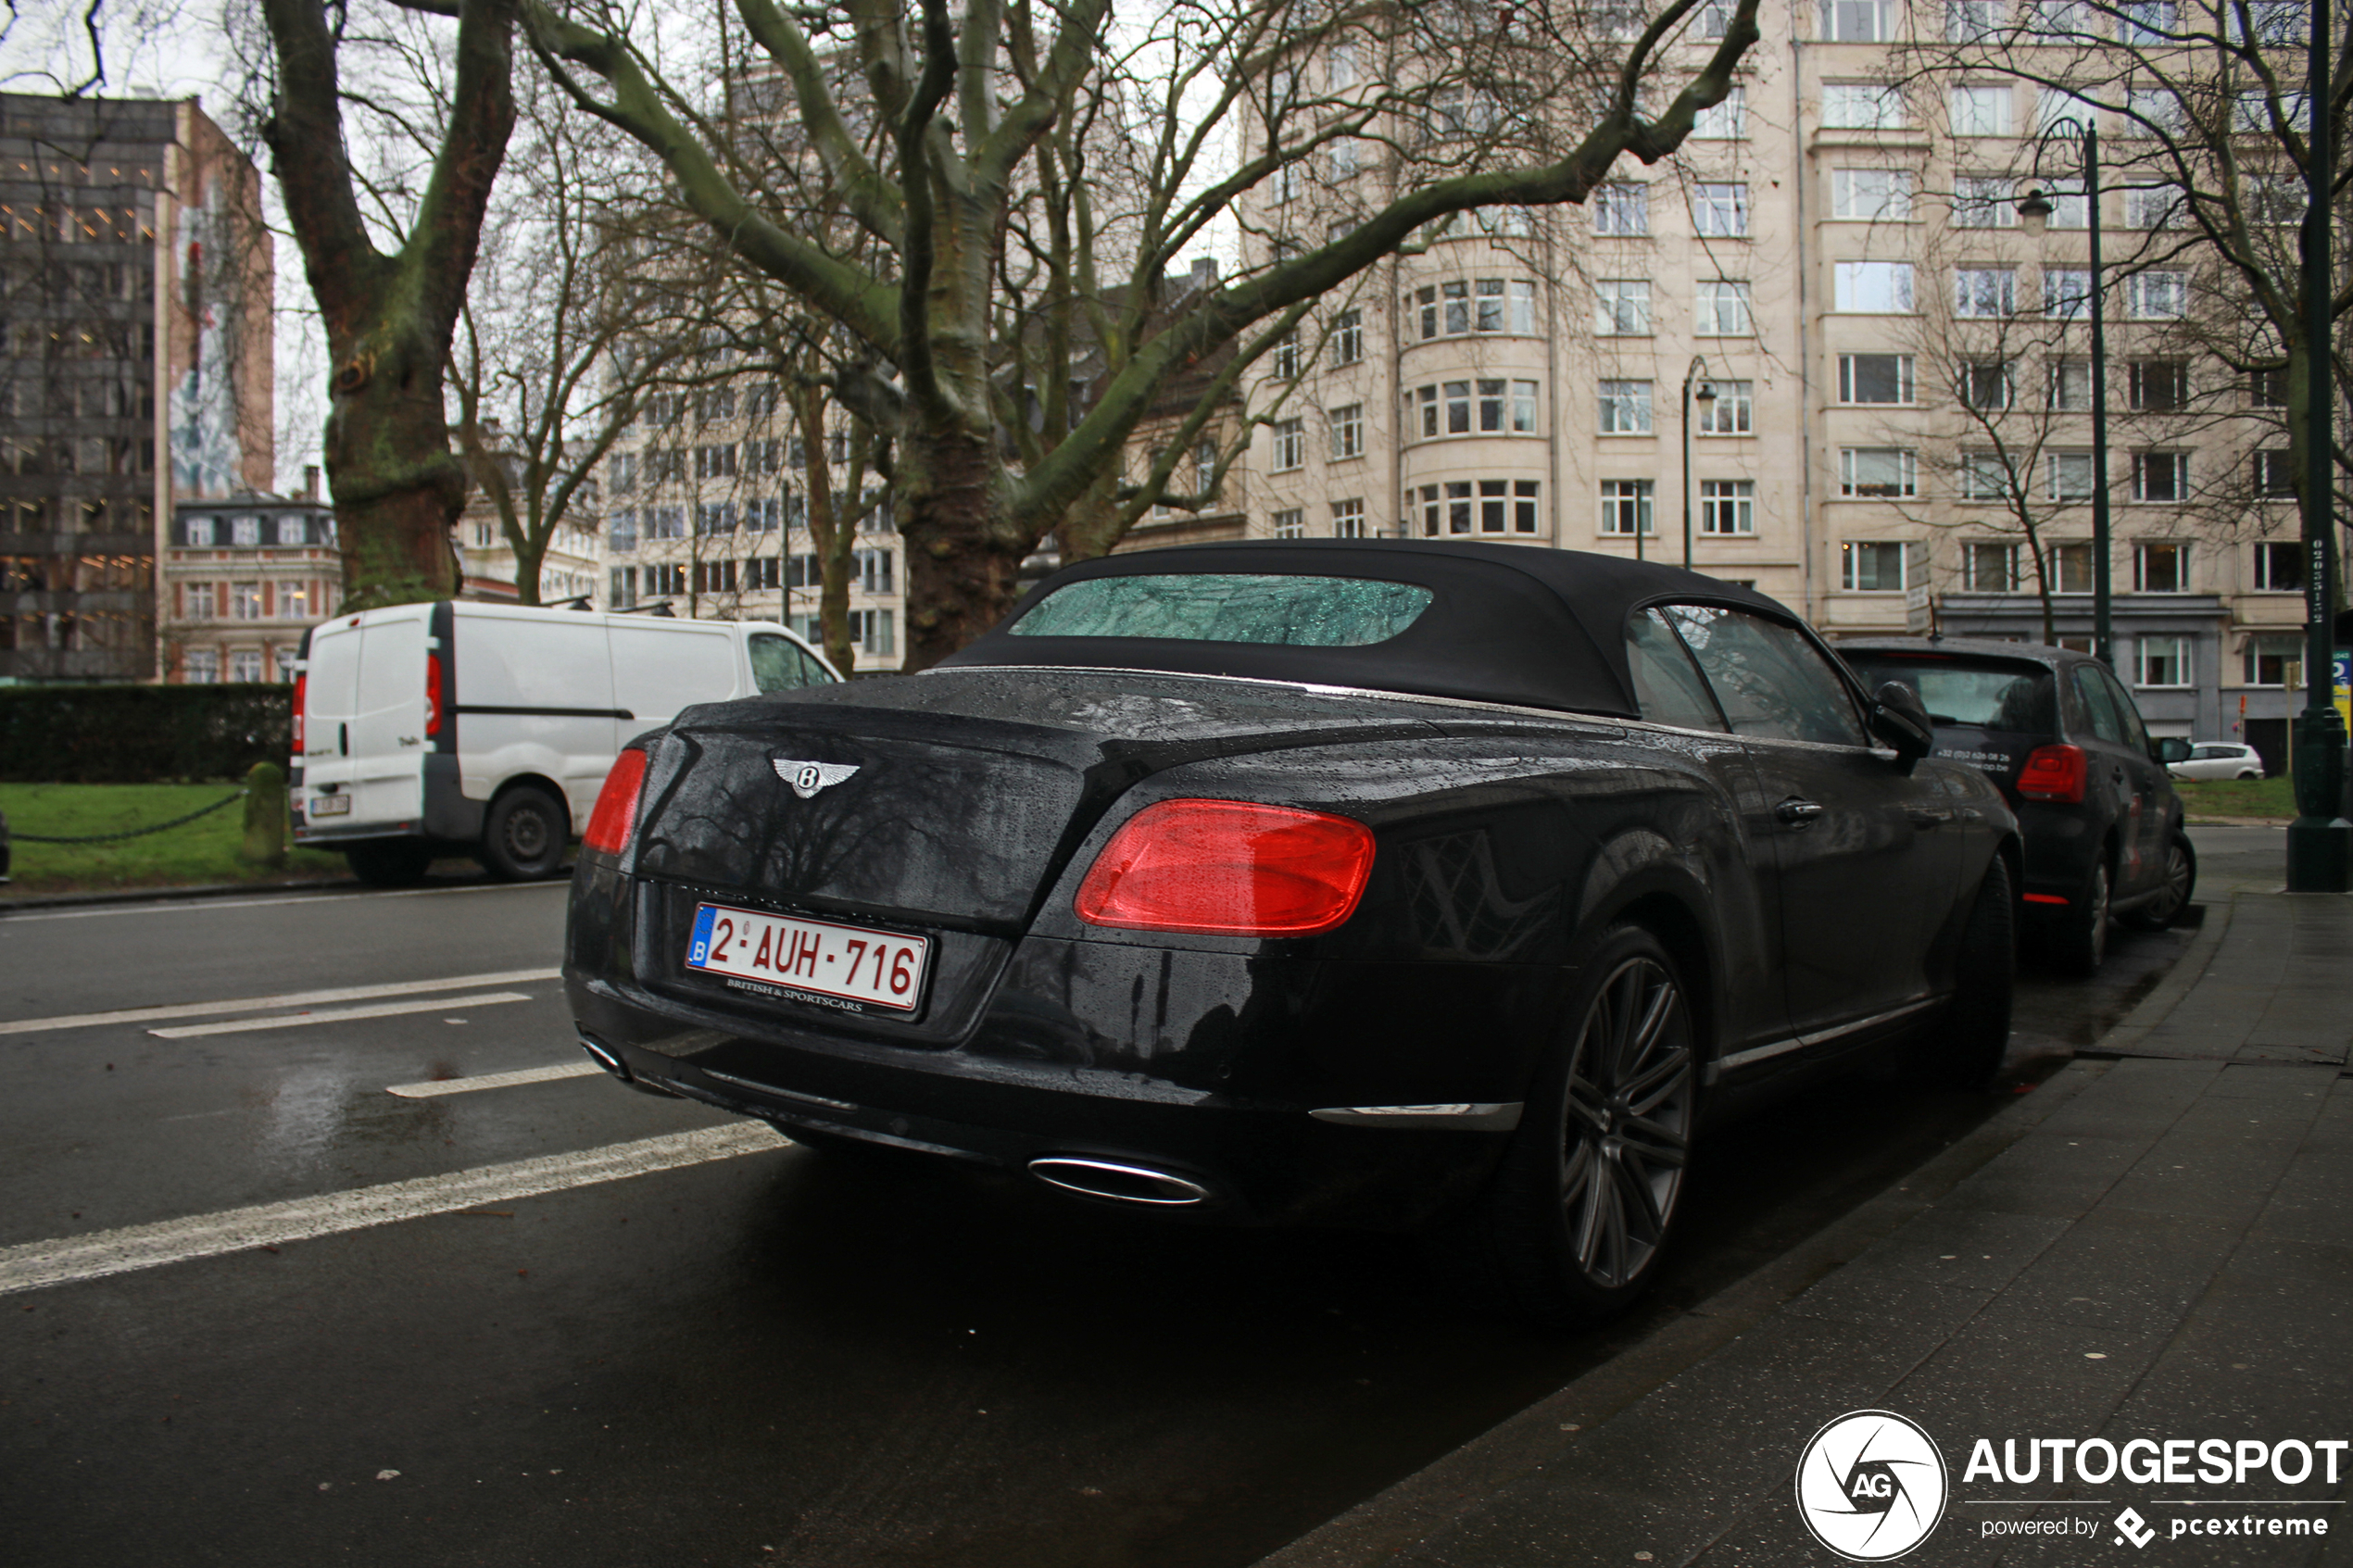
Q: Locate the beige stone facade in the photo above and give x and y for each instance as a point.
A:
(243, 578)
(1521, 379)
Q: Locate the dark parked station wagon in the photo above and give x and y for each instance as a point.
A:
(2061, 735)
(1401, 885)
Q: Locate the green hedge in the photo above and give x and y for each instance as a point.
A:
(141, 734)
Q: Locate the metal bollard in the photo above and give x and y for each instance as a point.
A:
(265, 842)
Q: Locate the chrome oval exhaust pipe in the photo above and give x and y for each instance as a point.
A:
(1115, 1180)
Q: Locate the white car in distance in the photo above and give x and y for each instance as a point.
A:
(2219, 759)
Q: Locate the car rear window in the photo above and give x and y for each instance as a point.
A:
(2020, 699)
(1322, 612)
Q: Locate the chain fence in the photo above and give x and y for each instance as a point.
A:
(128, 833)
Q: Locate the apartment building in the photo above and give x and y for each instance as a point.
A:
(571, 568)
(707, 511)
(135, 372)
(243, 578)
(1841, 263)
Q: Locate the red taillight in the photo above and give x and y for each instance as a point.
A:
(2055, 772)
(433, 693)
(615, 817)
(302, 690)
(1229, 868)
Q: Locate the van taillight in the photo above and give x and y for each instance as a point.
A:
(615, 817)
(302, 690)
(2055, 772)
(1229, 868)
(433, 693)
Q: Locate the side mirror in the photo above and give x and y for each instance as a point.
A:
(2172, 749)
(1898, 718)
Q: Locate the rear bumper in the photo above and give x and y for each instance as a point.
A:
(1261, 1162)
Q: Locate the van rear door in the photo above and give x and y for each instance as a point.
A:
(388, 742)
(331, 699)
(658, 668)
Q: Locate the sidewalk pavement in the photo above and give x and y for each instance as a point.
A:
(2157, 1244)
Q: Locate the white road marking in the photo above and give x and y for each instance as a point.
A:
(495, 1080)
(35, 1264)
(290, 999)
(188, 906)
(336, 1015)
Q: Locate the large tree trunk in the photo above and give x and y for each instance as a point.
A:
(398, 489)
(962, 559)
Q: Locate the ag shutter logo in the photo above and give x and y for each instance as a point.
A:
(1872, 1486)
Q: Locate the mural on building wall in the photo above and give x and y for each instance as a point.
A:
(206, 457)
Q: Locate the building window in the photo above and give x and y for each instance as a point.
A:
(666, 522)
(1990, 568)
(1622, 307)
(1348, 520)
(2274, 474)
(1626, 408)
(1287, 357)
(764, 574)
(1291, 444)
(715, 577)
(2159, 385)
(1861, 106)
(245, 667)
(2161, 568)
(1347, 423)
(1626, 507)
(1874, 378)
(1523, 300)
(665, 580)
(2070, 388)
(1972, 21)
(2159, 207)
(1622, 208)
(1984, 476)
(1722, 308)
(2157, 296)
(2143, 22)
(1871, 196)
(1858, 21)
(1877, 288)
(1291, 523)
(1447, 508)
(2165, 661)
(291, 532)
(2069, 570)
(1732, 412)
(2265, 389)
(715, 462)
(1985, 292)
(1872, 567)
(200, 667)
(2160, 476)
(244, 601)
(873, 632)
(714, 518)
(2279, 568)
(1727, 121)
(1719, 211)
(1888, 471)
(2067, 292)
(1728, 505)
(1987, 386)
(1980, 112)
(1348, 337)
(2068, 476)
(1983, 201)
(2268, 656)
(764, 514)
(871, 570)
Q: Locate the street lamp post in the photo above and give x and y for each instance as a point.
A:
(2084, 138)
(1705, 397)
(2320, 842)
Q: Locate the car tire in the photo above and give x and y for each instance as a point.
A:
(1966, 1049)
(524, 835)
(2181, 881)
(2250, 774)
(2080, 944)
(1575, 1221)
(390, 862)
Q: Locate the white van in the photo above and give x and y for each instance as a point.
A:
(487, 730)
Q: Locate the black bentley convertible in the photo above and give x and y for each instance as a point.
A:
(1401, 885)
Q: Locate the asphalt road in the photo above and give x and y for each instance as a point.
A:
(755, 1355)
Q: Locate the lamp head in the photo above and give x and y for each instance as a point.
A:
(1706, 395)
(2035, 211)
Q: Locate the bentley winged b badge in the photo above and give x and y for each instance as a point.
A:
(808, 778)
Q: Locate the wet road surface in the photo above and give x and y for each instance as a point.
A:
(747, 1357)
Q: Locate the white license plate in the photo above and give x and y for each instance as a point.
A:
(879, 968)
(331, 806)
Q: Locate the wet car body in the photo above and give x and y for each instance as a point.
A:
(1373, 1074)
(2124, 821)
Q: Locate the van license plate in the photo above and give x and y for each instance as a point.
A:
(329, 805)
(880, 968)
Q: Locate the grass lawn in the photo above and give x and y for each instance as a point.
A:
(196, 853)
(2238, 797)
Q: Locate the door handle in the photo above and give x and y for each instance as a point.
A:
(1923, 818)
(342, 740)
(1797, 812)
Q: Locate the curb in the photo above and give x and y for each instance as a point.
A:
(2166, 994)
(163, 895)
(1376, 1530)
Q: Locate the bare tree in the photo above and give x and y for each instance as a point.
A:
(1027, 178)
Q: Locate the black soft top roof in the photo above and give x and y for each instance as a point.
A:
(1516, 623)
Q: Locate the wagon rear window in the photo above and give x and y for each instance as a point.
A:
(1320, 612)
(2013, 697)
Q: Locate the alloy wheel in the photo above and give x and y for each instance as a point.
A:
(1628, 1122)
